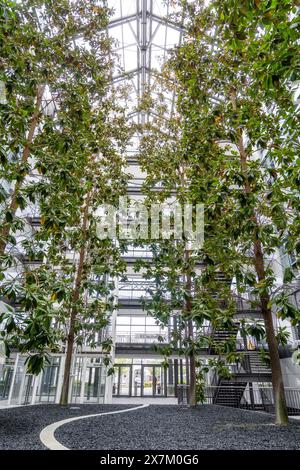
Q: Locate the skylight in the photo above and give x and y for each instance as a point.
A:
(143, 31)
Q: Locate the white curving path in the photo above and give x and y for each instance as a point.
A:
(47, 434)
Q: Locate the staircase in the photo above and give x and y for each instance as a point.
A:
(252, 364)
(220, 337)
(250, 369)
(229, 393)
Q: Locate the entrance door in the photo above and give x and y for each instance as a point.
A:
(152, 381)
(122, 381)
(158, 381)
(136, 381)
(147, 381)
(125, 381)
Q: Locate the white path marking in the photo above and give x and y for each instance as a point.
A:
(47, 434)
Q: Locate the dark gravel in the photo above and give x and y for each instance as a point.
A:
(171, 427)
(156, 427)
(20, 427)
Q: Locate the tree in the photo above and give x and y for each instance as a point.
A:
(234, 75)
(221, 98)
(40, 58)
(76, 168)
(177, 296)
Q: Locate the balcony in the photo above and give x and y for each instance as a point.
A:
(142, 337)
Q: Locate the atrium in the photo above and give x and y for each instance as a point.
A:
(149, 226)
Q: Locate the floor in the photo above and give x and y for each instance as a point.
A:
(4, 404)
(156, 427)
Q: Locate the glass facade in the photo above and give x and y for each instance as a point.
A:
(140, 329)
(147, 377)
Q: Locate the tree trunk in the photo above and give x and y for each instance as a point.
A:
(277, 381)
(13, 206)
(64, 398)
(192, 359)
(192, 367)
(258, 259)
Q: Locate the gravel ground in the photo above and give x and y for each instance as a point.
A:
(20, 427)
(155, 427)
(182, 428)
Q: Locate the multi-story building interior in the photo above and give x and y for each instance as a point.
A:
(143, 36)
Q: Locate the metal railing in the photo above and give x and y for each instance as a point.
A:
(141, 337)
(248, 306)
(249, 397)
(250, 363)
(137, 252)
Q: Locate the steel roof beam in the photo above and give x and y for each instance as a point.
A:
(168, 23)
(121, 21)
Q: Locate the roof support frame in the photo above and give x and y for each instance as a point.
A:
(144, 32)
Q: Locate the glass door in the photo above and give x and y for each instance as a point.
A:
(152, 381)
(147, 378)
(136, 381)
(125, 381)
(93, 387)
(158, 381)
(122, 385)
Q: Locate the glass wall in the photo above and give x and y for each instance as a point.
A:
(147, 377)
(6, 375)
(22, 387)
(88, 377)
(88, 382)
(47, 387)
(140, 329)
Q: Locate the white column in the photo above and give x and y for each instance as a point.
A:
(110, 379)
(72, 375)
(83, 373)
(13, 380)
(60, 378)
(108, 390)
(36, 381)
(22, 387)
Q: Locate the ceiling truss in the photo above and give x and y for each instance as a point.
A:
(150, 32)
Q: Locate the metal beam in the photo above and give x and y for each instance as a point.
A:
(121, 21)
(168, 23)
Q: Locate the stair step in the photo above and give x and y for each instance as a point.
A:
(229, 393)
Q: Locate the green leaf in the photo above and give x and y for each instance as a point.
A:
(110, 371)
(35, 363)
(3, 156)
(288, 275)
(7, 349)
(9, 216)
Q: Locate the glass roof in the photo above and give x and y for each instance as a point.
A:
(143, 32)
